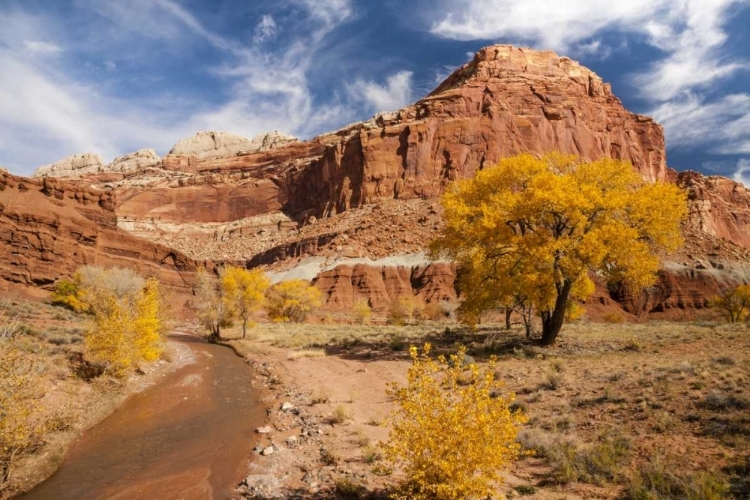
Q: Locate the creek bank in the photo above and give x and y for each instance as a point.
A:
(187, 437)
(96, 403)
(324, 419)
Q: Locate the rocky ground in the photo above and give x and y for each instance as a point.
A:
(675, 391)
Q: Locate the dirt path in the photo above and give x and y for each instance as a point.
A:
(188, 437)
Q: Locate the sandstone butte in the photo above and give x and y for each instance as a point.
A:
(353, 209)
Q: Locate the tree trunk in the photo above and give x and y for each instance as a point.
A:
(244, 329)
(552, 321)
(215, 333)
(508, 312)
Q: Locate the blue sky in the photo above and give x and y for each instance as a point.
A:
(113, 76)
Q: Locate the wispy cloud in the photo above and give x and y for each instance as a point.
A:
(61, 106)
(692, 122)
(266, 29)
(38, 47)
(396, 92)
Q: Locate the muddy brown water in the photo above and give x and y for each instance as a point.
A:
(187, 437)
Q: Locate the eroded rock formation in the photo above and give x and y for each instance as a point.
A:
(369, 189)
(49, 227)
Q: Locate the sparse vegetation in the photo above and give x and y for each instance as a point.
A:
(23, 422)
(656, 480)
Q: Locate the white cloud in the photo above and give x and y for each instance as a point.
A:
(266, 29)
(687, 31)
(43, 48)
(742, 174)
(330, 12)
(58, 110)
(394, 94)
(690, 121)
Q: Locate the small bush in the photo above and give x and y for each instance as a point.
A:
(396, 343)
(613, 318)
(634, 344)
(371, 454)
(319, 397)
(596, 463)
(362, 312)
(460, 446)
(655, 481)
(718, 401)
(405, 310)
(347, 488)
(329, 457)
(339, 415)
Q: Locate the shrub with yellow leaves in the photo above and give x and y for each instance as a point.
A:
(362, 312)
(452, 434)
(22, 421)
(292, 300)
(128, 322)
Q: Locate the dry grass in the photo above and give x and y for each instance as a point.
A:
(306, 353)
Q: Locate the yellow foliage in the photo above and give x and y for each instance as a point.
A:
(292, 300)
(452, 435)
(734, 304)
(127, 325)
(68, 293)
(22, 424)
(149, 326)
(539, 226)
(245, 291)
(405, 310)
(362, 311)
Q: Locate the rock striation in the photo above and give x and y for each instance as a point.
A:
(50, 227)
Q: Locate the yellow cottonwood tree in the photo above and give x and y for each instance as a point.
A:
(734, 303)
(127, 325)
(245, 290)
(453, 439)
(539, 226)
(292, 300)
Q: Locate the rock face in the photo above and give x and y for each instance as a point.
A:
(719, 207)
(370, 188)
(49, 227)
(143, 158)
(72, 166)
(210, 144)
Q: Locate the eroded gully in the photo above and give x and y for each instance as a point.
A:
(187, 437)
